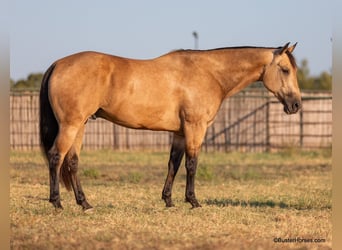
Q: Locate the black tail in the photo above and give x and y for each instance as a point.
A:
(48, 123)
(49, 129)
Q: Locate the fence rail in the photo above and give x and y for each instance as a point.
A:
(249, 121)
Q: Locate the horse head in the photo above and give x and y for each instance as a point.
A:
(280, 77)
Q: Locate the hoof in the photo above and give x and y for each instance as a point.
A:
(85, 205)
(170, 205)
(193, 201)
(89, 210)
(196, 206)
(57, 204)
(168, 202)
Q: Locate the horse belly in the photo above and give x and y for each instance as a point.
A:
(138, 117)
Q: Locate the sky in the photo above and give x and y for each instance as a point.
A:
(43, 31)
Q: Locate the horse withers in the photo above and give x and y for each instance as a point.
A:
(180, 92)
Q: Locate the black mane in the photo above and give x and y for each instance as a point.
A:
(242, 47)
(291, 57)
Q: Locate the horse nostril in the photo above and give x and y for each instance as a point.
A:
(296, 106)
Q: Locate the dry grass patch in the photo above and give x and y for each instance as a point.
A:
(248, 200)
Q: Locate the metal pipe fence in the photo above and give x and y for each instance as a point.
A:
(251, 121)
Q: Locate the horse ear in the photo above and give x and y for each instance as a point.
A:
(291, 49)
(283, 49)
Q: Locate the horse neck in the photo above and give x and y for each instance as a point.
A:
(235, 69)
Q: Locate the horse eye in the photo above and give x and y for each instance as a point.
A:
(285, 70)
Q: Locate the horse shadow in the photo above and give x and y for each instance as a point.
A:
(225, 202)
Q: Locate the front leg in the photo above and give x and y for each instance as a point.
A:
(191, 166)
(194, 135)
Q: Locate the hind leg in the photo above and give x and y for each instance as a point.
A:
(72, 161)
(54, 168)
(56, 155)
(176, 156)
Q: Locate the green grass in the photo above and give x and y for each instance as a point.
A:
(247, 200)
(91, 173)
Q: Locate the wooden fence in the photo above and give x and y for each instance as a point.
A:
(249, 121)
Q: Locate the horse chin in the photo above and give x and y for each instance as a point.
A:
(287, 111)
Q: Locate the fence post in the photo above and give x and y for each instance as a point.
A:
(268, 143)
(128, 145)
(116, 143)
(301, 128)
(226, 124)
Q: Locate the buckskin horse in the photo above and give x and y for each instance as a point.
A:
(180, 92)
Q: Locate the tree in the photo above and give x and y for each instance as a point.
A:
(32, 82)
(305, 81)
(303, 75)
(325, 81)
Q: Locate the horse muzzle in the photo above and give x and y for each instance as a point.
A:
(292, 102)
(292, 105)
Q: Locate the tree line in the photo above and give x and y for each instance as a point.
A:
(305, 80)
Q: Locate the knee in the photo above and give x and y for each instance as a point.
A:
(191, 165)
(72, 163)
(192, 151)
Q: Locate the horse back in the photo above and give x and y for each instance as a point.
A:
(150, 94)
